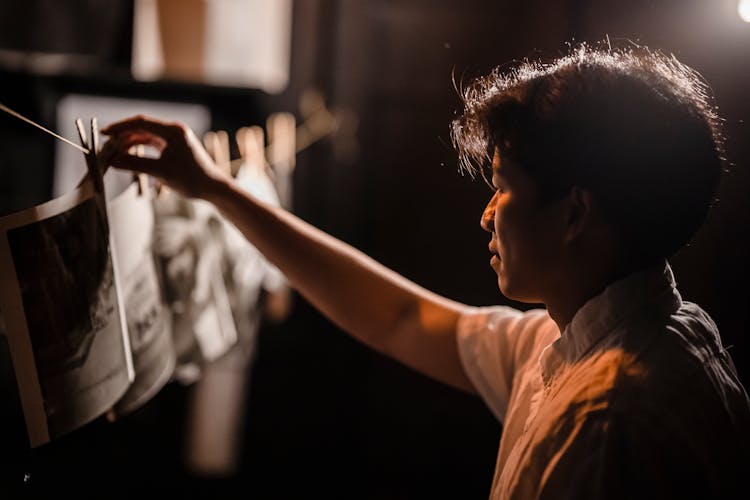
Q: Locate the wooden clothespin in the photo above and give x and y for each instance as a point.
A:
(239, 136)
(253, 140)
(282, 154)
(211, 143)
(142, 183)
(318, 120)
(92, 162)
(224, 155)
(217, 145)
(139, 178)
(282, 141)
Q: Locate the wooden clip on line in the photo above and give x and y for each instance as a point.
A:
(90, 156)
(140, 178)
(250, 141)
(282, 142)
(142, 182)
(89, 150)
(217, 145)
(224, 154)
(319, 120)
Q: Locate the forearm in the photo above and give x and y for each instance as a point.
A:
(371, 302)
(359, 294)
(374, 304)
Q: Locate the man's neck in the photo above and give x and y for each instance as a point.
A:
(580, 288)
(563, 309)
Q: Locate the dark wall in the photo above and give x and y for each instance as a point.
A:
(404, 202)
(327, 416)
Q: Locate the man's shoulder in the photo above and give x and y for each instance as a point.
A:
(676, 367)
(679, 380)
(526, 332)
(493, 317)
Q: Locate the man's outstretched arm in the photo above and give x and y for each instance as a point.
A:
(374, 304)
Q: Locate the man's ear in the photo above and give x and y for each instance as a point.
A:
(579, 213)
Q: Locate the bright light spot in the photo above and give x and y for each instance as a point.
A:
(743, 9)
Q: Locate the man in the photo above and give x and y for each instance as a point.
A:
(603, 163)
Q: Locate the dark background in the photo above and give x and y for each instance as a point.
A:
(327, 417)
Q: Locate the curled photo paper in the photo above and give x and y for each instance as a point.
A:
(148, 320)
(63, 314)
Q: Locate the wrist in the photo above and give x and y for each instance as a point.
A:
(216, 188)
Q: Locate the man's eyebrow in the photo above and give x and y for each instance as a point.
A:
(503, 169)
(495, 166)
(499, 171)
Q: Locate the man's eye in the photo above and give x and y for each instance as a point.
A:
(491, 184)
(488, 182)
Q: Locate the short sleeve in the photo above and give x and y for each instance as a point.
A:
(492, 343)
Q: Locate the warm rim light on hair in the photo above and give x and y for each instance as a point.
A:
(743, 9)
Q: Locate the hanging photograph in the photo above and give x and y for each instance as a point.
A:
(64, 320)
(149, 322)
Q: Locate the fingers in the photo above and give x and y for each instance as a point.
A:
(144, 123)
(140, 138)
(122, 145)
(130, 162)
(105, 154)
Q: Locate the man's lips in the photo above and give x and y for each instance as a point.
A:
(495, 259)
(493, 248)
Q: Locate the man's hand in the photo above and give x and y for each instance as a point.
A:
(183, 164)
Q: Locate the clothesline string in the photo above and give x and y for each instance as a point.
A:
(5, 108)
(303, 140)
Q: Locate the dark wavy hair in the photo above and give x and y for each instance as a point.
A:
(635, 127)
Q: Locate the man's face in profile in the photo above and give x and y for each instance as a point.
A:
(527, 235)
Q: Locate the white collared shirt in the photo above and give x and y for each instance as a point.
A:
(636, 399)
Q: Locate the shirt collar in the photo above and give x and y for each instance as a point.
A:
(602, 314)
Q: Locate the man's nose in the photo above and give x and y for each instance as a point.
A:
(488, 217)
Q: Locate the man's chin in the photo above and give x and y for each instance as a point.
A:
(502, 284)
(514, 293)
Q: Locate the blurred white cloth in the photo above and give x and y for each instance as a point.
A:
(217, 411)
